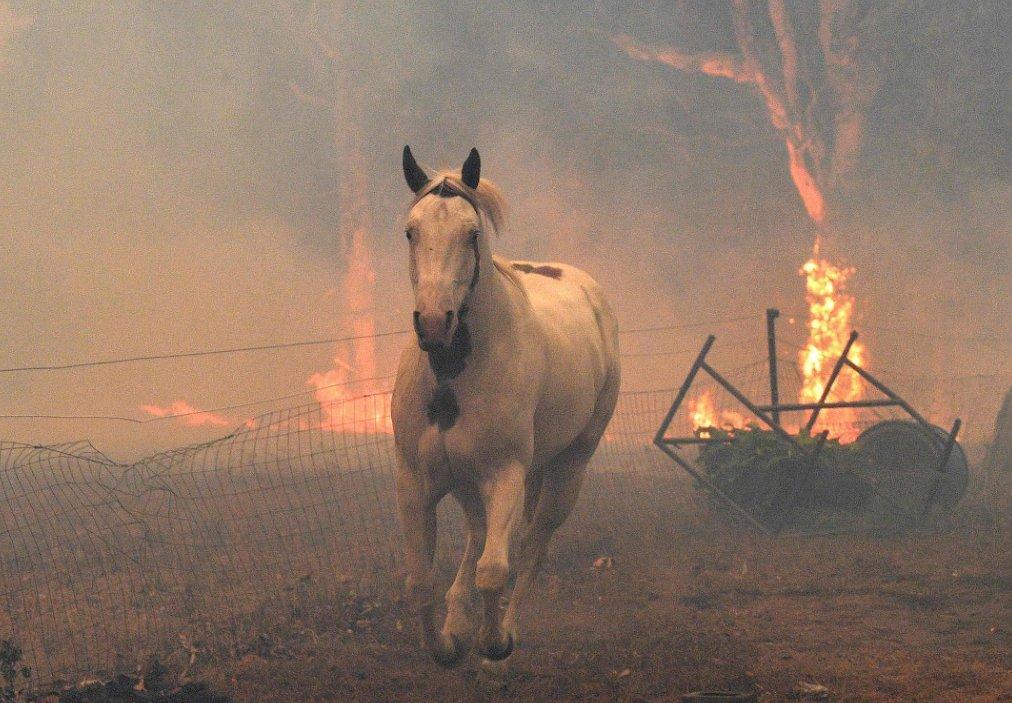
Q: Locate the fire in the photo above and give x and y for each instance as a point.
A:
(704, 415)
(189, 415)
(830, 311)
(342, 410)
(811, 194)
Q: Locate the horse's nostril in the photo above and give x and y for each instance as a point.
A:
(431, 328)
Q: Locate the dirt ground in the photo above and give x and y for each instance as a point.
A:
(703, 605)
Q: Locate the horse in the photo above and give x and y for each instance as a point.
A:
(501, 400)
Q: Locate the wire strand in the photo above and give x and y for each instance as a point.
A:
(191, 354)
(309, 343)
(690, 325)
(223, 408)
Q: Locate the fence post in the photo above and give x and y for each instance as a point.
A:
(771, 342)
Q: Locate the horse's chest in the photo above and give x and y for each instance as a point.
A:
(458, 433)
(442, 409)
(446, 452)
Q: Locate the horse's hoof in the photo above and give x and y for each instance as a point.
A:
(494, 672)
(454, 657)
(499, 653)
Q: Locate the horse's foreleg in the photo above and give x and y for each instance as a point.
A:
(416, 505)
(458, 598)
(559, 490)
(502, 494)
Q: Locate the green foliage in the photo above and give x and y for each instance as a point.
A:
(733, 452)
(15, 675)
(763, 472)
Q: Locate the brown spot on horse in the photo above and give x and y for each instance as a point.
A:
(443, 409)
(550, 271)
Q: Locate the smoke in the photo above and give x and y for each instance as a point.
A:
(166, 191)
(12, 24)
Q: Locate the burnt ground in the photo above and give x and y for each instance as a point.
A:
(649, 592)
(920, 617)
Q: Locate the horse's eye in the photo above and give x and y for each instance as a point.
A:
(407, 233)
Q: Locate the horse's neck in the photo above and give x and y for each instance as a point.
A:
(496, 303)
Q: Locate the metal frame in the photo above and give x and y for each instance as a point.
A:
(769, 415)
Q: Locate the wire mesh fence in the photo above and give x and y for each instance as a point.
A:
(103, 563)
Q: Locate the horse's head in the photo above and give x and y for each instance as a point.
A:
(444, 231)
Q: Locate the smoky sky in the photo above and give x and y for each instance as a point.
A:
(165, 190)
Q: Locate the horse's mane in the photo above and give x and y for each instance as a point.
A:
(487, 199)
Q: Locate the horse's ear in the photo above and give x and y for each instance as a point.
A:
(471, 171)
(413, 173)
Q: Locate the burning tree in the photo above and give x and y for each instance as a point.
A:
(810, 64)
(830, 311)
(332, 86)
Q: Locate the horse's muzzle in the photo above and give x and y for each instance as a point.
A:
(433, 329)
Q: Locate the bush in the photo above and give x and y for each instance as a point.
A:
(15, 675)
(763, 472)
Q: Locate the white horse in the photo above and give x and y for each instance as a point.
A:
(501, 402)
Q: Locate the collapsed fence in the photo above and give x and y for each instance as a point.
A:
(104, 563)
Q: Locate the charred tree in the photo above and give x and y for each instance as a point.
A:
(808, 63)
(999, 453)
(331, 86)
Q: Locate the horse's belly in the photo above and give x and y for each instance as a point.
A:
(581, 358)
(565, 411)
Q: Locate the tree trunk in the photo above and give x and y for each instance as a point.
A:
(334, 89)
(817, 86)
(999, 454)
(355, 228)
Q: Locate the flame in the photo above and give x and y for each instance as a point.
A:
(342, 410)
(808, 189)
(830, 316)
(189, 415)
(705, 416)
